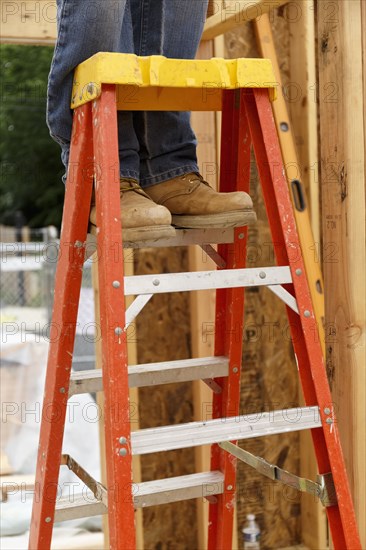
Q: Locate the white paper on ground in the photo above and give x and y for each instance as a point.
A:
(63, 538)
(23, 366)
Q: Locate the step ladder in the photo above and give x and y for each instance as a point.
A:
(242, 89)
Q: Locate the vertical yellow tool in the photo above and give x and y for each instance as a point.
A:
(289, 155)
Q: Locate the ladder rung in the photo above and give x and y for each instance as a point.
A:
(179, 488)
(149, 493)
(234, 428)
(153, 374)
(206, 280)
(80, 506)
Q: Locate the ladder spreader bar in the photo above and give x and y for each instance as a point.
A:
(323, 489)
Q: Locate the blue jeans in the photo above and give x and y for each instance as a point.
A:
(153, 146)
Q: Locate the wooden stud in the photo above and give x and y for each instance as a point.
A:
(132, 359)
(134, 399)
(302, 103)
(27, 22)
(100, 395)
(303, 110)
(341, 43)
(202, 304)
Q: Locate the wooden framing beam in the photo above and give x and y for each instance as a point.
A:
(231, 14)
(202, 304)
(302, 101)
(304, 116)
(342, 97)
(134, 396)
(28, 22)
(34, 21)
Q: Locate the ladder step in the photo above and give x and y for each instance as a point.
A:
(179, 488)
(206, 280)
(79, 506)
(183, 237)
(149, 493)
(153, 374)
(234, 428)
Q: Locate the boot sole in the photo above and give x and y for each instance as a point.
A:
(221, 220)
(137, 234)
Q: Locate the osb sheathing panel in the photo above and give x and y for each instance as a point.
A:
(269, 378)
(163, 333)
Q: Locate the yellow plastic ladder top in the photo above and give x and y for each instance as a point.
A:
(157, 83)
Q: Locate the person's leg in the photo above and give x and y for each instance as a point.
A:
(86, 27)
(168, 168)
(171, 28)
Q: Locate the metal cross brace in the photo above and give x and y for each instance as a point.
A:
(323, 489)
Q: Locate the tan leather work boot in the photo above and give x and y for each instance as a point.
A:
(142, 219)
(193, 203)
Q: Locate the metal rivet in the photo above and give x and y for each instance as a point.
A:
(156, 282)
(307, 313)
(90, 88)
(116, 284)
(262, 275)
(329, 421)
(118, 330)
(62, 390)
(327, 410)
(241, 236)
(48, 519)
(78, 244)
(122, 440)
(298, 272)
(122, 452)
(229, 488)
(284, 127)
(235, 369)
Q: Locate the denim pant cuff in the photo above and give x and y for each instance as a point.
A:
(129, 174)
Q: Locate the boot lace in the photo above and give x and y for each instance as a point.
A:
(131, 185)
(192, 178)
